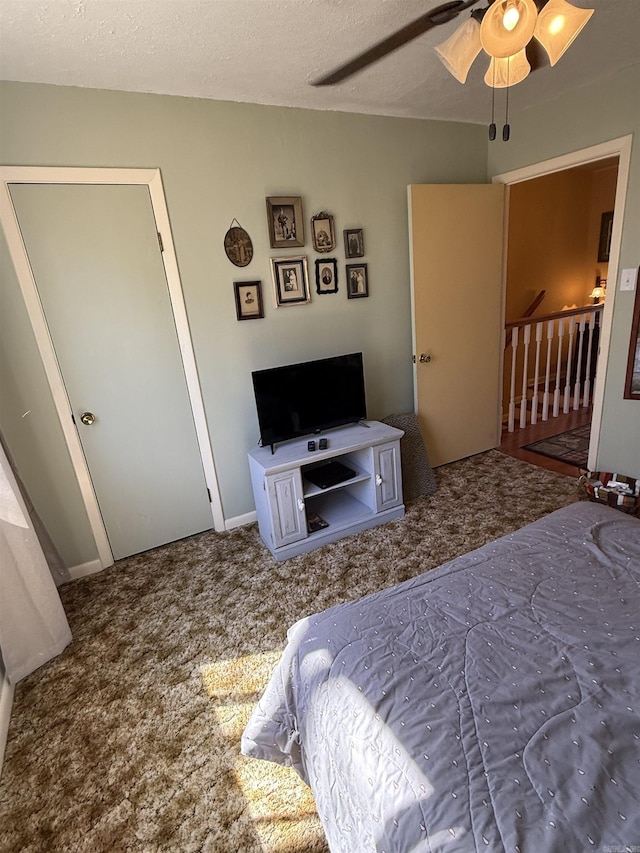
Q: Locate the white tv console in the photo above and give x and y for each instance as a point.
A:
(285, 498)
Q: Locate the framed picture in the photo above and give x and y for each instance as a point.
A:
(238, 246)
(357, 281)
(248, 300)
(284, 217)
(327, 275)
(353, 243)
(291, 280)
(604, 244)
(322, 234)
(632, 383)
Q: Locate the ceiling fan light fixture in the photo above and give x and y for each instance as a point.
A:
(507, 27)
(558, 24)
(508, 71)
(459, 51)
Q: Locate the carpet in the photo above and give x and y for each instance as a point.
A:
(571, 447)
(129, 740)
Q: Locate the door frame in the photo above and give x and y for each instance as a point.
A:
(620, 147)
(152, 179)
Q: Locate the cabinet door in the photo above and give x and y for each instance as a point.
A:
(388, 478)
(286, 506)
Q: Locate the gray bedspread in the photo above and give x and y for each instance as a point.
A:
(488, 705)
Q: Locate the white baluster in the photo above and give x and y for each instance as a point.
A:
(587, 378)
(512, 392)
(556, 393)
(547, 374)
(536, 375)
(525, 368)
(567, 383)
(576, 387)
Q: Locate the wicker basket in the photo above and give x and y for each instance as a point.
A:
(615, 490)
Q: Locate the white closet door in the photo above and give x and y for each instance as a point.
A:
(98, 268)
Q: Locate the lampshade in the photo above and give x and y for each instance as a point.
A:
(459, 50)
(557, 26)
(507, 72)
(507, 27)
(597, 294)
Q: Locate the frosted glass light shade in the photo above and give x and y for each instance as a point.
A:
(558, 25)
(507, 72)
(459, 50)
(501, 41)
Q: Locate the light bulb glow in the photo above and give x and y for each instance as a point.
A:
(556, 25)
(507, 27)
(511, 17)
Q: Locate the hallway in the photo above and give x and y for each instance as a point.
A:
(512, 444)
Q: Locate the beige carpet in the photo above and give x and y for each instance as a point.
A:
(129, 740)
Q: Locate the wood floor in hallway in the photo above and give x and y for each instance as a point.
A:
(513, 442)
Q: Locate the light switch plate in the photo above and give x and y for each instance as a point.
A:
(628, 279)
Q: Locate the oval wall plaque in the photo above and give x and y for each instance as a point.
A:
(238, 246)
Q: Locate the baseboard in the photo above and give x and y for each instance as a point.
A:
(94, 566)
(240, 520)
(6, 702)
(83, 569)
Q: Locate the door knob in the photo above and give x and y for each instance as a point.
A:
(87, 418)
(424, 358)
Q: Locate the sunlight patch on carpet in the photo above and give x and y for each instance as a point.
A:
(279, 803)
(238, 677)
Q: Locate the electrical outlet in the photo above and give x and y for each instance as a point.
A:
(628, 280)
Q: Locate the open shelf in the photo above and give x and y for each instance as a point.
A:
(340, 510)
(311, 490)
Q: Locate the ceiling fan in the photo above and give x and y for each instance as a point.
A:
(504, 29)
(440, 15)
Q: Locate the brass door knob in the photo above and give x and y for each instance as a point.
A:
(424, 358)
(87, 418)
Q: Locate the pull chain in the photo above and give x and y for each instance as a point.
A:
(492, 126)
(506, 130)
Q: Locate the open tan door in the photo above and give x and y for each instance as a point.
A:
(456, 244)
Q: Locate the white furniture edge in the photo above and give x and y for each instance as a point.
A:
(6, 702)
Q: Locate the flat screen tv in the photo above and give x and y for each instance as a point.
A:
(306, 398)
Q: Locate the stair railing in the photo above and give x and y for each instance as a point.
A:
(559, 349)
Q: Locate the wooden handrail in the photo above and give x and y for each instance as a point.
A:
(570, 312)
(530, 310)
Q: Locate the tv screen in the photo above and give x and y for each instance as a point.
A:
(300, 399)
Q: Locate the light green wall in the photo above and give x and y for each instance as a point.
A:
(218, 162)
(587, 117)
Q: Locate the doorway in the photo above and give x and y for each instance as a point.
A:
(29, 195)
(591, 158)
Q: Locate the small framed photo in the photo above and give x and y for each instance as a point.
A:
(322, 233)
(353, 243)
(327, 275)
(604, 243)
(357, 281)
(291, 280)
(284, 217)
(249, 300)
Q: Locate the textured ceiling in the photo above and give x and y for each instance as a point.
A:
(269, 51)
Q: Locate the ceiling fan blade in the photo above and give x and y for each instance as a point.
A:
(437, 16)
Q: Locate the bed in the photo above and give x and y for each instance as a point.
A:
(491, 704)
